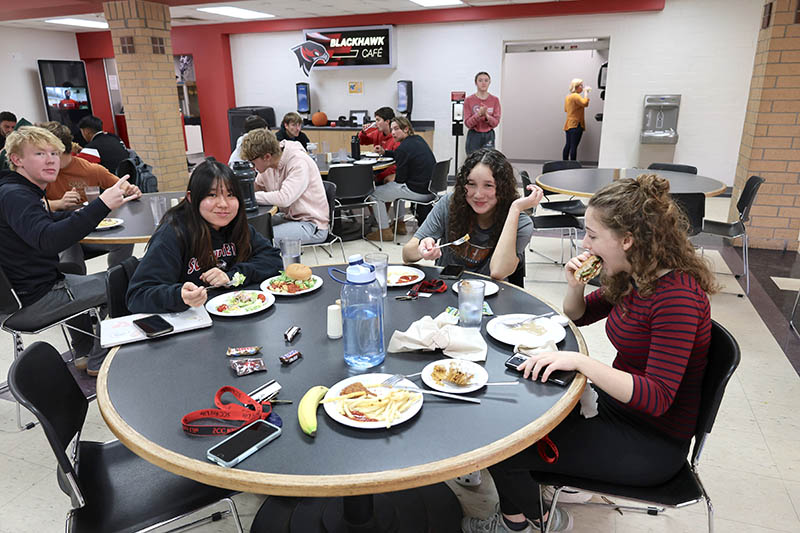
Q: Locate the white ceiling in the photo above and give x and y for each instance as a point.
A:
(282, 9)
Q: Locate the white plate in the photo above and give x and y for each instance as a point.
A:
(364, 162)
(489, 289)
(393, 272)
(370, 154)
(368, 379)
(496, 328)
(385, 159)
(266, 282)
(212, 304)
(479, 376)
(112, 223)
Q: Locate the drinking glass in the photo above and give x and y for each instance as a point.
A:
(470, 303)
(92, 193)
(290, 251)
(381, 263)
(158, 205)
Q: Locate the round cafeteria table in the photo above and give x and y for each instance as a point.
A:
(324, 167)
(138, 223)
(587, 181)
(389, 478)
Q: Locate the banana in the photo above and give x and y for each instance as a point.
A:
(307, 409)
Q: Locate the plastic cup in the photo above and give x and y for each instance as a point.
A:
(290, 251)
(381, 263)
(158, 206)
(92, 193)
(470, 303)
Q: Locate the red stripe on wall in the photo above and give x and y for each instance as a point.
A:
(98, 92)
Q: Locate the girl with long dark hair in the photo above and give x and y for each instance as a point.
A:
(486, 205)
(201, 242)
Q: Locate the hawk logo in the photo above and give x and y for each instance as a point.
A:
(309, 54)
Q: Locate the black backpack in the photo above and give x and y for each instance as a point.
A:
(141, 174)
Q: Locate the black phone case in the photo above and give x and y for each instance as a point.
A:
(559, 377)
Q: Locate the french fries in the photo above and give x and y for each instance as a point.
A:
(386, 408)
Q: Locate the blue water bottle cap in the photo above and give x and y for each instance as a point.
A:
(360, 274)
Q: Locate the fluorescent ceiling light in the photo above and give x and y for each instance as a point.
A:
(235, 12)
(80, 22)
(437, 3)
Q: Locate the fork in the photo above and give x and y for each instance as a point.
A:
(456, 242)
(526, 320)
(391, 381)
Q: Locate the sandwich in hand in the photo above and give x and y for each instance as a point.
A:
(589, 269)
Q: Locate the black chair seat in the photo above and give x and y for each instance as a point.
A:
(125, 493)
(723, 229)
(575, 208)
(556, 222)
(681, 489)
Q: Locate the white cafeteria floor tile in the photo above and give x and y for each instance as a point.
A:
(751, 466)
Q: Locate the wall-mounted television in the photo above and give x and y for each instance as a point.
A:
(66, 92)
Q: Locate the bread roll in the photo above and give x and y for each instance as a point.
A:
(298, 271)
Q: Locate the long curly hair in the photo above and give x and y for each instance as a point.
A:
(462, 219)
(643, 208)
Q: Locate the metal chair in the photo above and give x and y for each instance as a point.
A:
(354, 187)
(688, 169)
(685, 488)
(573, 206)
(332, 238)
(119, 276)
(437, 187)
(693, 205)
(732, 230)
(9, 305)
(549, 222)
(110, 487)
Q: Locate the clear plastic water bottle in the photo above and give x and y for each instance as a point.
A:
(362, 315)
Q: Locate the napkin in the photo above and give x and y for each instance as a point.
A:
(588, 399)
(429, 334)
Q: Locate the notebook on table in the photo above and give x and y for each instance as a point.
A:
(121, 330)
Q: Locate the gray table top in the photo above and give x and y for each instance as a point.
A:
(138, 220)
(587, 181)
(145, 388)
(324, 167)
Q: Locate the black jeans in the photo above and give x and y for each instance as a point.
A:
(573, 140)
(477, 140)
(607, 447)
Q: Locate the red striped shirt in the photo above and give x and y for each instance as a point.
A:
(662, 341)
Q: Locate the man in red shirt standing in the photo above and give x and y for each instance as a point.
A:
(378, 134)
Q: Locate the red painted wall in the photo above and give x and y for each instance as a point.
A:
(98, 92)
(209, 45)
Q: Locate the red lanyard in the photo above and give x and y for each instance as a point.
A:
(248, 411)
(547, 449)
(433, 286)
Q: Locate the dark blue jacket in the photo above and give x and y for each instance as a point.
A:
(31, 236)
(169, 263)
(415, 162)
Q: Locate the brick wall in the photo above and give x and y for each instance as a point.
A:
(147, 82)
(770, 144)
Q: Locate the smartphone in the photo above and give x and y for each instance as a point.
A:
(559, 377)
(451, 272)
(153, 325)
(240, 445)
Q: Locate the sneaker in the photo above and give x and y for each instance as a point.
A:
(401, 227)
(80, 361)
(567, 495)
(561, 520)
(96, 359)
(473, 479)
(387, 234)
(493, 524)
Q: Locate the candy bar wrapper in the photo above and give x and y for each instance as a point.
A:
(487, 311)
(242, 350)
(242, 367)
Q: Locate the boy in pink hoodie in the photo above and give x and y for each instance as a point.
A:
(289, 179)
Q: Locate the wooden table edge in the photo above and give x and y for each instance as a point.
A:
(338, 485)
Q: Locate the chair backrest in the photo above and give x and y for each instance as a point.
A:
(263, 224)
(748, 196)
(117, 280)
(438, 182)
(41, 382)
(526, 180)
(330, 194)
(356, 181)
(689, 169)
(693, 205)
(9, 302)
(552, 166)
(723, 358)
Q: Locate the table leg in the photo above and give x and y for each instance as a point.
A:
(432, 509)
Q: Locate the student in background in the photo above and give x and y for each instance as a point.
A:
(252, 122)
(481, 115)
(379, 134)
(201, 243)
(7, 122)
(574, 105)
(102, 147)
(291, 125)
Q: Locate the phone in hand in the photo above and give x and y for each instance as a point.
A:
(153, 325)
(242, 444)
(559, 377)
(451, 272)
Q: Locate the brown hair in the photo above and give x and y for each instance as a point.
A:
(39, 137)
(59, 130)
(643, 208)
(404, 124)
(292, 118)
(259, 143)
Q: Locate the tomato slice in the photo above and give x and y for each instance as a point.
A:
(262, 297)
(222, 308)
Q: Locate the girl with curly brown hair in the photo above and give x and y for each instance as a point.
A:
(654, 294)
(485, 204)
